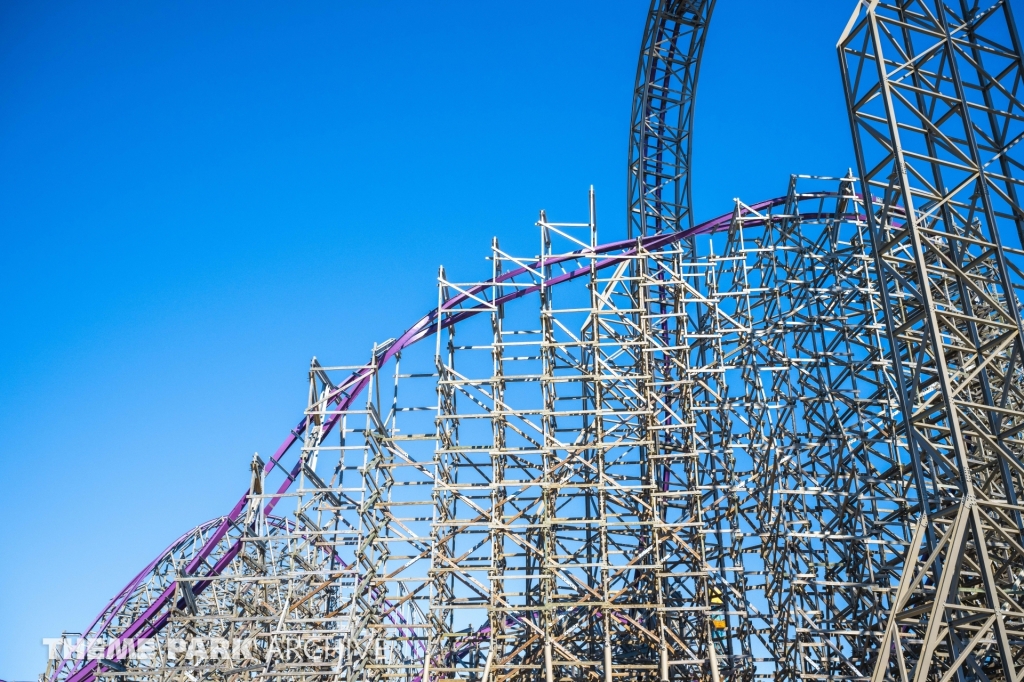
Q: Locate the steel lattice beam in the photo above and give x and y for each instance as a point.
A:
(660, 137)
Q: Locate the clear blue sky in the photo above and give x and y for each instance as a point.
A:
(197, 197)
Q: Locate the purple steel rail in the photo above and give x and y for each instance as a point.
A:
(426, 326)
(120, 599)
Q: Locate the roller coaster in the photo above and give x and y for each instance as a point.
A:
(784, 443)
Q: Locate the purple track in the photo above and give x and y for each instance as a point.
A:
(152, 621)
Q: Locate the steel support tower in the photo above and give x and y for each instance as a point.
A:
(932, 89)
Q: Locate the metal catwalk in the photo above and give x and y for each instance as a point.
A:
(784, 443)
